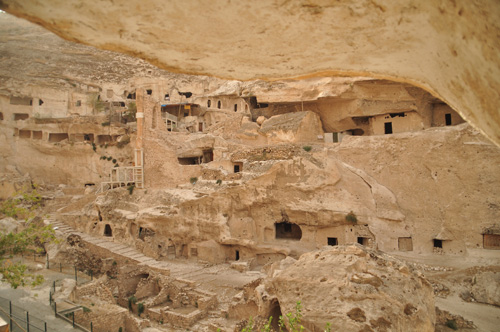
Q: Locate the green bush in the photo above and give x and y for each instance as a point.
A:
(131, 300)
(193, 180)
(131, 189)
(452, 324)
(351, 217)
(219, 182)
(307, 148)
(106, 124)
(140, 309)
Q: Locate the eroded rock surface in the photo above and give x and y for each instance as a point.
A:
(356, 289)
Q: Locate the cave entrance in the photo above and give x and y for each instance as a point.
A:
(332, 241)
(107, 230)
(208, 156)
(364, 241)
(88, 137)
(286, 230)
(143, 232)
(388, 127)
(25, 133)
(275, 312)
(57, 137)
(405, 244)
(37, 134)
(20, 116)
(190, 161)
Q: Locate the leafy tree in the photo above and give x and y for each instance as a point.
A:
(33, 237)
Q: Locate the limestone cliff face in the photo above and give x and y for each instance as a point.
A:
(395, 193)
(448, 48)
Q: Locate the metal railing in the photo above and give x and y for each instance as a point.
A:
(20, 319)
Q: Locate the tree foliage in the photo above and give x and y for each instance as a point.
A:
(32, 237)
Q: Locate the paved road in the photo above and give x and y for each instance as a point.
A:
(36, 301)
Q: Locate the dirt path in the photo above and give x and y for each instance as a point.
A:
(485, 317)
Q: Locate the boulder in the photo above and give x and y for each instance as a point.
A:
(355, 288)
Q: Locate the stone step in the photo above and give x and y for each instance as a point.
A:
(114, 247)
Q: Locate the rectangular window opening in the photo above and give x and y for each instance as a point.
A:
(438, 243)
(332, 241)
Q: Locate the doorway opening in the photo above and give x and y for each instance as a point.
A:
(108, 231)
(286, 230)
(388, 128)
(447, 119)
(364, 241)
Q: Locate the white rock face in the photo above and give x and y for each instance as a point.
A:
(356, 289)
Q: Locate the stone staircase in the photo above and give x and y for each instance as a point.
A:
(114, 247)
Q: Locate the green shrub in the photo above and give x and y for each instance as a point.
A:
(193, 180)
(114, 161)
(109, 158)
(307, 148)
(131, 189)
(105, 124)
(94, 147)
(219, 182)
(131, 300)
(351, 217)
(85, 309)
(120, 329)
(140, 309)
(452, 324)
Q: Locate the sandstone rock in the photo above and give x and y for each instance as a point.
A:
(260, 120)
(293, 127)
(8, 225)
(486, 287)
(355, 288)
